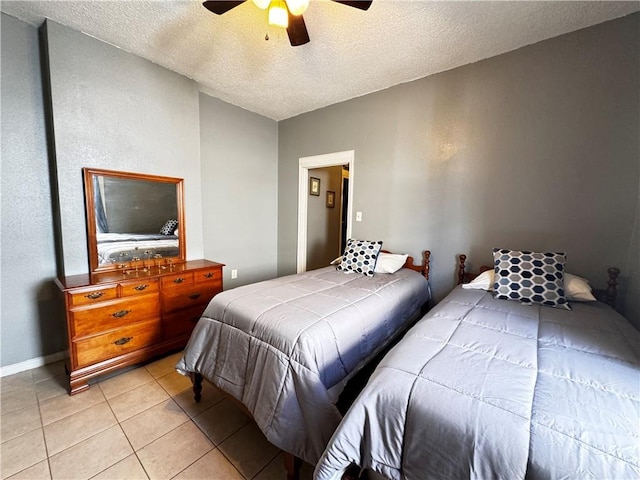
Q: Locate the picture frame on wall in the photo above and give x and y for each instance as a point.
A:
(331, 199)
(314, 186)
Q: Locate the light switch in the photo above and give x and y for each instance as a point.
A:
(358, 216)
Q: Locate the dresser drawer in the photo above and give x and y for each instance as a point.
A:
(94, 320)
(124, 340)
(181, 323)
(209, 275)
(188, 296)
(176, 280)
(137, 287)
(93, 295)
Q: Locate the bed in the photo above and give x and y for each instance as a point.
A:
(115, 247)
(285, 348)
(483, 388)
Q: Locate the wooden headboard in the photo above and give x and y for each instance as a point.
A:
(466, 277)
(422, 268)
(607, 295)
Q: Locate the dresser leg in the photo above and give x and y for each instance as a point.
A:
(196, 379)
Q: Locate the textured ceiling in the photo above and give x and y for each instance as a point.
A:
(351, 53)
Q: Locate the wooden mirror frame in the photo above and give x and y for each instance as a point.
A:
(89, 195)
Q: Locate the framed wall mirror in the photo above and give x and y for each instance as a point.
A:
(133, 217)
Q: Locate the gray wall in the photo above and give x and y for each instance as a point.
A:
(323, 224)
(239, 190)
(116, 111)
(534, 149)
(30, 313)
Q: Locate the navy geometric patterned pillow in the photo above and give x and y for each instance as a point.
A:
(530, 277)
(360, 256)
(169, 227)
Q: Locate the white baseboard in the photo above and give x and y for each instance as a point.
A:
(29, 364)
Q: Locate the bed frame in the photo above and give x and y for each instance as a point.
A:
(292, 463)
(422, 269)
(607, 295)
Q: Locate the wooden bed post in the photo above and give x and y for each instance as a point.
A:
(611, 293)
(426, 259)
(196, 379)
(293, 465)
(463, 259)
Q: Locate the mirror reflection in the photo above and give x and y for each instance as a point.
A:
(132, 217)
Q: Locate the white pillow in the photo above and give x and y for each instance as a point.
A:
(576, 289)
(390, 262)
(484, 281)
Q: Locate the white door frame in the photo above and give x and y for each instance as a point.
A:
(304, 165)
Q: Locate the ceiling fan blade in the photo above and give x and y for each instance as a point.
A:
(297, 30)
(220, 7)
(362, 5)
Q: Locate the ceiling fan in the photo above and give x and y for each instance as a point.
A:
(283, 13)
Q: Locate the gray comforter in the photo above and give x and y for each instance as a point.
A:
(286, 347)
(488, 389)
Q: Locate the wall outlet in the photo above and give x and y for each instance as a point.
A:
(358, 216)
(234, 273)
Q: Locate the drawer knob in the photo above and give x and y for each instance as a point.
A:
(208, 275)
(123, 340)
(94, 295)
(178, 280)
(140, 287)
(120, 313)
(195, 296)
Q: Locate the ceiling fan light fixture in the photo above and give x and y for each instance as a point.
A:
(262, 4)
(297, 7)
(278, 14)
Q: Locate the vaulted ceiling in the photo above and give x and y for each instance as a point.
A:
(351, 53)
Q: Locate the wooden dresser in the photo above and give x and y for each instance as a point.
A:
(116, 319)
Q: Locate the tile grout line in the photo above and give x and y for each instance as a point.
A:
(125, 436)
(259, 471)
(44, 438)
(41, 428)
(189, 419)
(119, 423)
(215, 447)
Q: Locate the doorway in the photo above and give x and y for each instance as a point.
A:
(305, 165)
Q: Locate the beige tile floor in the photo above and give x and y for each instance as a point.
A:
(139, 424)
